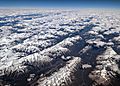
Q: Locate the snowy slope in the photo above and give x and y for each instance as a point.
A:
(52, 47)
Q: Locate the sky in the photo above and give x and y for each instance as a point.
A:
(61, 3)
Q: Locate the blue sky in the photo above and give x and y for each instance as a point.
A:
(61, 3)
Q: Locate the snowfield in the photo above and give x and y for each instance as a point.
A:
(53, 47)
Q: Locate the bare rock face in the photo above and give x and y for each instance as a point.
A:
(40, 47)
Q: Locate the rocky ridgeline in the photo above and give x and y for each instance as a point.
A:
(60, 47)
